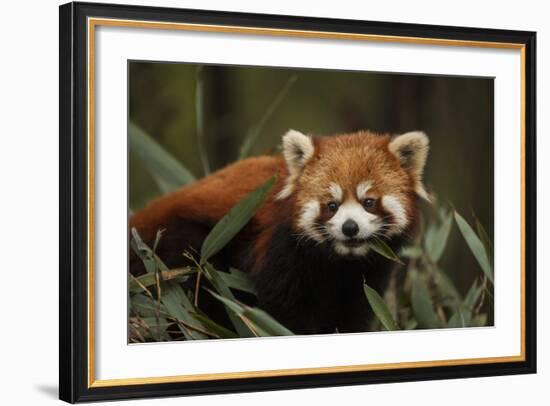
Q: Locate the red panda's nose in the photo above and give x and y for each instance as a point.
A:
(350, 228)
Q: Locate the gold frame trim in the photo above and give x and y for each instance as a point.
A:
(94, 22)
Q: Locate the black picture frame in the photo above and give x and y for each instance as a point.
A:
(74, 200)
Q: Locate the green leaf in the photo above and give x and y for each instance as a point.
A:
(253, 134)
(173, 297)
(380, 309)
(475, 244)
(168, 173)
(149, 278)
(216, 280)
(486, 242)
(214, 327)
(463, 314)
(473, 295)
(143, 251)
(436, 237)
(411, 251)
(157, 328)
(460, 318)
(422, 304)
(179, 306)
(259, 322)
(411, 324)
(238, 280)
(480, 320)
(446, 286)
(380, 247)
(144, 306)
(235, 220)
(266, 322)
(151, 314)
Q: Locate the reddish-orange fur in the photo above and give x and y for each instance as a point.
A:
(210, 198)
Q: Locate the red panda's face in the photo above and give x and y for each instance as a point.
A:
(350, 188)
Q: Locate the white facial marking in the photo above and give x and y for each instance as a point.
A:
(308, 216)
(341, 248)
(336, 192)
(363, 188)
(361, 250)
(351, 210)
(400, 220)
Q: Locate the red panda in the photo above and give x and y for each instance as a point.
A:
(306, 247)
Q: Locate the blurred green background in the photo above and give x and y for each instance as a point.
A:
(456, 113)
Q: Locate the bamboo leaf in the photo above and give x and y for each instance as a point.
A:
(259, 321)
(411, 252)
(157, 328)
(216, 280)
(214, 327)
(436, 237)
(173, 297)
(179, 306)
(255, 131)
(459, 319)
(475, 244)
(380, 247)
(472, 296)
(143, 251)
(168, 173)
(446, 285)
(380, 309)
(266, 322)
(486, 242)
(480, 320)
(238, 280)
(236, 310)
(463, 314)
(148, 279)
(144, 306)
(422, 305)
(411, 324)
(235, 220)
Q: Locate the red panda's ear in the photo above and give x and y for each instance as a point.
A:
(297, 150)
(412, 151)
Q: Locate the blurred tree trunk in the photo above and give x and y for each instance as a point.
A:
(406, 109)
(220, 128)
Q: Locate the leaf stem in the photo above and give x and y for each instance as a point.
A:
(254, 132)
(197, 287)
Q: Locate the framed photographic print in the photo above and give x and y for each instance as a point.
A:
(255, 202)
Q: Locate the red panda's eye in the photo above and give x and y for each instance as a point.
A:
(332, 206)
(369, 203)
